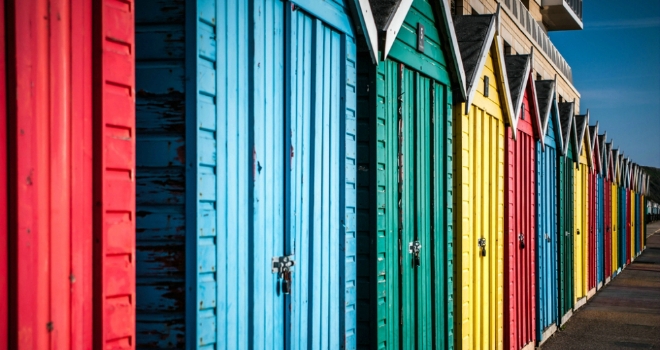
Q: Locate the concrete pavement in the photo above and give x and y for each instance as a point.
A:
(625, 314)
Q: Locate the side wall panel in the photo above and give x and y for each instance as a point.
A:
(114, 174)
(160, 180)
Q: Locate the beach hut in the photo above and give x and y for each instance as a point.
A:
(581, 211)
(565, 195)
(606, 150)
(246, 186)
(547, 187)
(616, 225)
(479, 138)
(404, 161)
(520, 206)
(595, 225)
(622, 207)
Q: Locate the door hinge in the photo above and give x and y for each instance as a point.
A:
(283, 267)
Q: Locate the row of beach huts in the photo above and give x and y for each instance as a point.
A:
(309, 174)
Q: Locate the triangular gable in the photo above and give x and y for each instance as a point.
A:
(567, 128)
(595, 148)
(389, 16)
(546, 101)
(603, 155)
(521, 82)
(616, 165)
(476, 36)
(366, 24)
(610, 162)
(581, 123)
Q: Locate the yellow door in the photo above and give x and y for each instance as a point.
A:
(479, 171)
(615, 217)
(632, 224)
(580, 237)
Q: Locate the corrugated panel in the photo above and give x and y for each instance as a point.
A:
(114, 169)
(160, 181)
(621, 206)
(547, 239)
(607, 228)
(479, 203)
(633, 230)
(520, 231)
(629, 227)
(592, 227)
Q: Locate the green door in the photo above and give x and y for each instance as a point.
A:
(404, 237)
(566, 169)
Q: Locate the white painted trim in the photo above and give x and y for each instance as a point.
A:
(455, 50)
(392, 28)
(547, 333)
(566, 317)
(504, 84)
(363, 13)
(580, 303)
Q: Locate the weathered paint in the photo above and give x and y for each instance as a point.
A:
(520, 224)
(479, 203)
(206, 281)
(49, 159)
(547, 240)
(405, 191)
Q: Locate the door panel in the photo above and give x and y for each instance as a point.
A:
(565, 233)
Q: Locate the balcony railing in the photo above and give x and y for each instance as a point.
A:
(525, 19)
(576, 5)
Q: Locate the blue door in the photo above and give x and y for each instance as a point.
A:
(246, 174)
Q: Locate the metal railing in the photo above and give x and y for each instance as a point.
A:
(539, 35)
(576, 5)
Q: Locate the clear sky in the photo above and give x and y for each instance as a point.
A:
(616, 68)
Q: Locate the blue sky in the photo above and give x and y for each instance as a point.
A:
(616, 68)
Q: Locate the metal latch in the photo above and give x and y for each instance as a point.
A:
(283, 266)
(567, 233)
(578, 231)
(414, 248)
(482, 244)
(547, 237)
(521, 238)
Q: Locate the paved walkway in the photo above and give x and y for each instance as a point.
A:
(625, 314)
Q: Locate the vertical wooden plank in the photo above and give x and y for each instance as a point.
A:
(60, 172)
(28, 130)
(114, 174)
(81, 175)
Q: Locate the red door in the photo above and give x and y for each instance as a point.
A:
(114, 174)
(520, 228)
(608, 227)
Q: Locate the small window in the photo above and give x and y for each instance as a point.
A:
(486, 85)
(522, 112)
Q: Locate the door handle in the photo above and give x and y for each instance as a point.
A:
(521, 238)
(482, 245)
